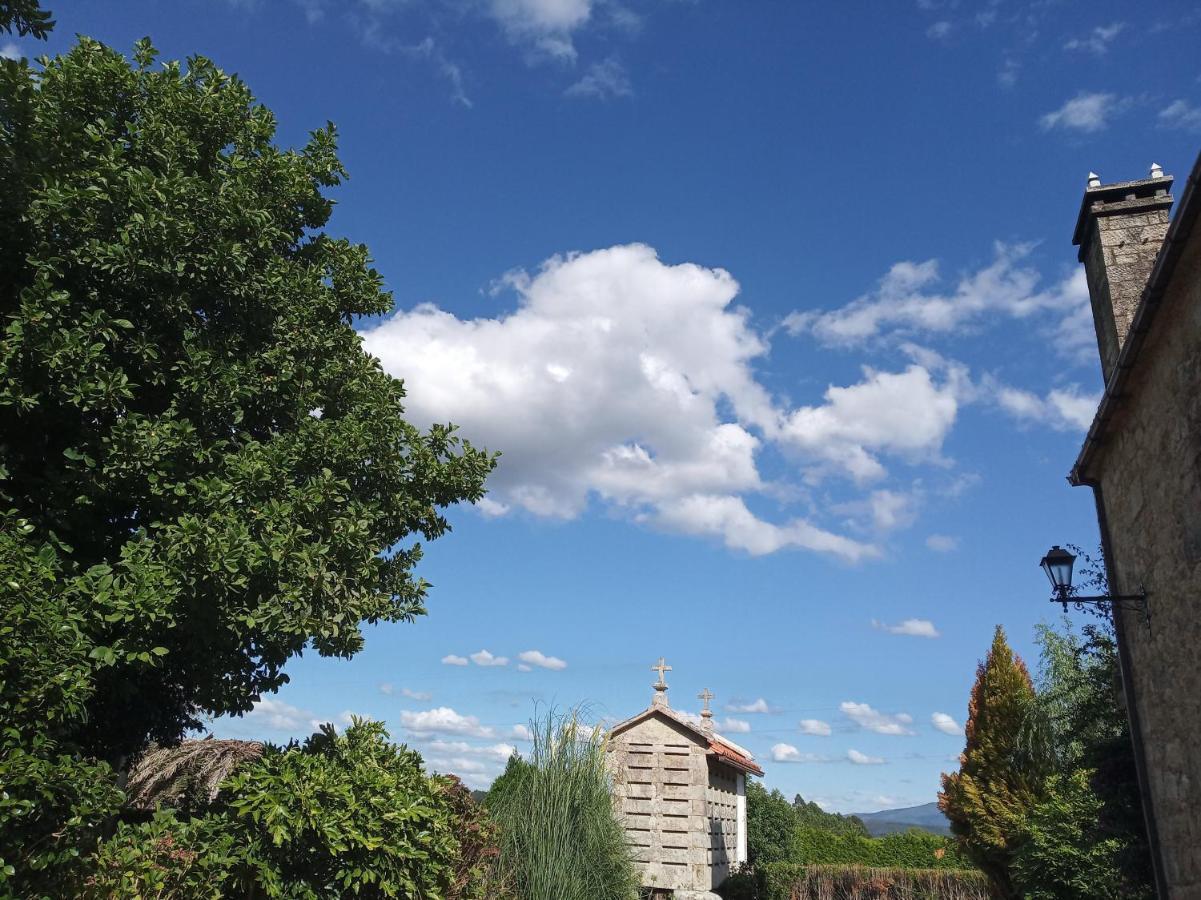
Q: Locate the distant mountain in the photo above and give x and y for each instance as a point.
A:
(927, 817)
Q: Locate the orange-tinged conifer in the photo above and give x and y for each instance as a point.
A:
(988, 797)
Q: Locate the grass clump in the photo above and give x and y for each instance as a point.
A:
(560, 837)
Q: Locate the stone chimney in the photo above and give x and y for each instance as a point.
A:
(1119, 231)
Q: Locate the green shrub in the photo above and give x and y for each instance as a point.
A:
(743, 885)
(341, 815)
(1062, 857)
(912, 849)
(560, 839)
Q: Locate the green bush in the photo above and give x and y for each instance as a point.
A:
(560, 839)
(791, 881)
(913, 849)
(341, 815)
(1062, 857)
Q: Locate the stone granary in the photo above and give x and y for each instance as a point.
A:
(1142, 458)
(681, 791)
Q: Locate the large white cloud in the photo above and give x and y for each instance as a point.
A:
(623, 378)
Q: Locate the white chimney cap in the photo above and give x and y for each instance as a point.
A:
(1156, 170)
(1094, 180)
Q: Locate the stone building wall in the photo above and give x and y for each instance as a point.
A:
(721, 802)
(660, 777)
(1149, 500)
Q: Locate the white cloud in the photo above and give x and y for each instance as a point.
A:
(939, 31)
(547, 24)
(942, 543)
(452, 660)
(1064, 409)
(730, 519)
(911, 627)
(444, 720)
(945, 723)
(873, 720)
(622, 379)
(10, 50)
(500, 752)
(755, 706)
(603, 80)
(537, 658)
(734, 726)
(1084, 112)
(275, 715)
(816, 727)
(904, 413)
(486, 659)
(891, 509)
(909, 300)
(1181, 114)
(1098, 40)
(1007, 75)
(862, 759)
(786, 753)
(387, 689)
(415, 695)
(521, 733)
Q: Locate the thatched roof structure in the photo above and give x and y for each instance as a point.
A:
(189, 772)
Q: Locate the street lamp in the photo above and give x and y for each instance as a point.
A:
(1058, 566)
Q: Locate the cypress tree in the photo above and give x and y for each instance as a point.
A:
(987, 799)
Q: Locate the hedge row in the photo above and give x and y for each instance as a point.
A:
(791, 881)
(911, 849)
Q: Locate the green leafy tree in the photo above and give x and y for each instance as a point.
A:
(54, 803)
(1061, 855)
(1085, 837)
(770, 823)
(988, 798)
(25, 17)
(810, 815)
(186, 411)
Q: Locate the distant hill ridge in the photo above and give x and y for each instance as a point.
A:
(927, 817)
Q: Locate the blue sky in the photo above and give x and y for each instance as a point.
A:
(772, 310)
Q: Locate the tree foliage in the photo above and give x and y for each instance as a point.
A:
(186, 412)
(770, 823)
(1085, 836)
(987, 799)
(54, 803)
(25, 17)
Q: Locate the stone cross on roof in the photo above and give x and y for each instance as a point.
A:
(705, 696)
(660, 686)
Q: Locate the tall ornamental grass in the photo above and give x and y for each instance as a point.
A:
(560, 838)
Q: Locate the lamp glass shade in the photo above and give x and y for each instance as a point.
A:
(1058, 566)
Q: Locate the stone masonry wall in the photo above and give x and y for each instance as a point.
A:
(660, 775)
(1149, 467)
(721, 802)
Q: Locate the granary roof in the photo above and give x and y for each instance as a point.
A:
(717, 746)
(1180, 232)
